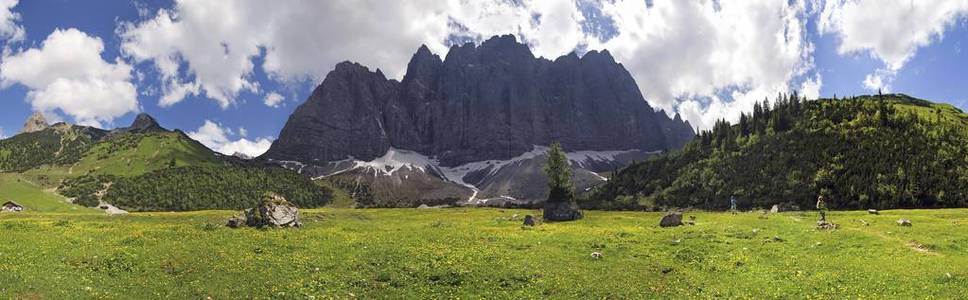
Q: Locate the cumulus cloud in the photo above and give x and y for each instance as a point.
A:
(889, 30)
(211, 47)
(217, 137)
(67, 74)
(9, 29)
(273, 99)
(698, 52)
(710, 60)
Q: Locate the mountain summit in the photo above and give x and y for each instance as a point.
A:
(143, 123)
(36, 122)
(493, 102)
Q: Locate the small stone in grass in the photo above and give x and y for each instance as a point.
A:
(873, 212)
(904, 222)
(666, 270)
(528, 220)
(597, 255)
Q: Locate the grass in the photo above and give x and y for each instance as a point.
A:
(146, 153)
(476, 253)
(33, 197)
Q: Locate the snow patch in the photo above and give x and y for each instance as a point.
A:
(397, 159)
(581, 158)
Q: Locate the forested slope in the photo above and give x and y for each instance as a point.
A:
(882, 151)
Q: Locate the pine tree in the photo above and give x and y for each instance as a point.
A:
(559, 175)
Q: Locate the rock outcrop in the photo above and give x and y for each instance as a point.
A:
(272, 211)
(143, 123)
(36, 122)
(671, 219)
(561, 211)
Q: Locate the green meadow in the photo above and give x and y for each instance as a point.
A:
(483, 253)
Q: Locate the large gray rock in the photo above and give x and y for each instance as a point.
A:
(273, 211)
(561, 211)
(671, 219)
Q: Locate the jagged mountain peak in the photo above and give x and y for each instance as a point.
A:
(36, 122)
(144, 122)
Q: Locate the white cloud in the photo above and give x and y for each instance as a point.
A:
(687, 54)
(680, 52)
(243, 132)
(68, 74)
(810, 88)
(210, 47)
(879, 80)
(890, 30)
(216, 137)
(9, 29)
(2, 134)
(273, 99)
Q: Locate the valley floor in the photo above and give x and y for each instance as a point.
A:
(475, 253)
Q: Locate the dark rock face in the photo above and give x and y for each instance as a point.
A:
(143, 123)
(672, 219)
(488, 102)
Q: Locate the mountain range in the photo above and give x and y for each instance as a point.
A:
(473, 126)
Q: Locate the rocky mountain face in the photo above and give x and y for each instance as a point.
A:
(493, 102)
(145, 123)
(36, 122)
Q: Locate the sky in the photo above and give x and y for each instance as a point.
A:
(229, 73)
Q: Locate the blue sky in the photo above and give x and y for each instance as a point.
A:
(689, 57)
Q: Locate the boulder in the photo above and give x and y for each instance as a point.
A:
(528, 220)
(824, 225)
(561, 211)
(775, 209)
(904, 222)
(672, 219)
(873, 212)
(236, 221)
(272, 211)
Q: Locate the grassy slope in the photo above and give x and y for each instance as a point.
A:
(152, 152)
(473, 253)
(34, 197)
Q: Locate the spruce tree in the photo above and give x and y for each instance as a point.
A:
(559, 175)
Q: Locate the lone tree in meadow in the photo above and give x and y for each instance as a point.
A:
(561, 205)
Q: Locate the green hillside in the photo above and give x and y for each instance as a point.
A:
(61, 144)
(890, 151)
(139, 169)
(34, 197)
